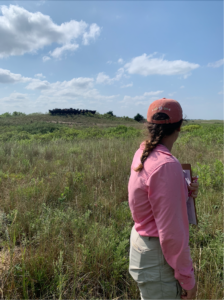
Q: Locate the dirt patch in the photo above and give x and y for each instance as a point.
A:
(80, 123)
(6, 257)
(60, 122)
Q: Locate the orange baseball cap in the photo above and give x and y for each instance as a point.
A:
(168, 106)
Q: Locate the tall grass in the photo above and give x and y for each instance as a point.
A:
(66, 225)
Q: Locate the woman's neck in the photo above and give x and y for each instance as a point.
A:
(169, 140)
(168, 145)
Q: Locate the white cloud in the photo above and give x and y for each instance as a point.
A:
(172, 94)
(142, 103)
(216, 64)
(220, 93)
(23, 32)
(120, 61)
(40, 2)
(75, 88)
(94, 31)
(65, 87)
(7, 77)
(15, 98)
(40, 75)
(37, 84)
(60, 50)
(182, 87)
(119, 74)
(80, 90)
(141, 99)
(127, 85)
(46, 58)
(147, 65)
(103, 78)
(187, 75)
(77, 92)
(62, 97)
(152, 93)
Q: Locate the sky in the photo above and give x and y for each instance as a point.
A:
(115, 56)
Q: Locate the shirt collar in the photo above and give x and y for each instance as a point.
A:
(159, 148)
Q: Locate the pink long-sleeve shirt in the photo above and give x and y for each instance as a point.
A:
(157, 200)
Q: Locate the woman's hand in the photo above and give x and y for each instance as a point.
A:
(194, 188)
(190, 294)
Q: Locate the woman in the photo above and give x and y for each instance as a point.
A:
(160, 260)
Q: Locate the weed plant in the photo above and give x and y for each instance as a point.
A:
(67, 223)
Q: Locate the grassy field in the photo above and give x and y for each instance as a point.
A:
(65, 220)
(77, 120)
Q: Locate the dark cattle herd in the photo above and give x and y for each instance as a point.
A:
(70, 111)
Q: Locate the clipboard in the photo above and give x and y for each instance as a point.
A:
(191, 208)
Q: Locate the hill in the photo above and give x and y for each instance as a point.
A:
(45, 128)
(72, 120)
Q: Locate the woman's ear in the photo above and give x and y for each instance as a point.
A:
(180, 126)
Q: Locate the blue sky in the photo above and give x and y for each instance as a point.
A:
(111, 55)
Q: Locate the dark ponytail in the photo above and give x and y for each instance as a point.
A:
(156, 133)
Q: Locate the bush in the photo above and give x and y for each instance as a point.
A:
(138, 118)
(5, 115)
(48, 132)
(14, 114)
(110, 113)
(210, 175)
(36, 128)
(190, 128)
(17, 113)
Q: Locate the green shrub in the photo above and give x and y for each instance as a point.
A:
(210, 175)
(42, 128)
(5, 115)
(110, 113)
(17, 113)
(138, 118)
(47, 132)
(190, 128)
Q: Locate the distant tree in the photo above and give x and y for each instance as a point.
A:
(138, 118)
(6, 115)
(17, 113)
(110, 113)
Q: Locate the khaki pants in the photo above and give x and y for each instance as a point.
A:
(148, 267)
